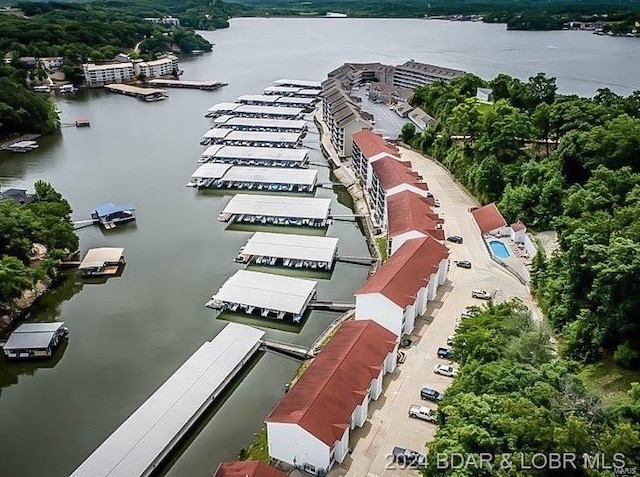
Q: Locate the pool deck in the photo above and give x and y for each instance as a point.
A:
(516, 263)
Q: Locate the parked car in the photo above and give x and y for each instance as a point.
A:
(455, 239)
(481, 294)
(422, 412)
(436, 203)
(444, 353)
(463, 263)
(408, 458)
(445, 370)
(449, 340)
(430, 394)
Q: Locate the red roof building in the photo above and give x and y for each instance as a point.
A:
(399, 291)
(489, 218)
(247, 468)
(392, 172)
(411, 216)
(371, 144)
(310, 425)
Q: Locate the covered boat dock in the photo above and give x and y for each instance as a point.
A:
(289, 250)
(252, 111)
(206, 85)
(298, 83)
(272, 179)
(110, 215)
(144, 94)
(256, 156)
(275, 100)
(35, 340)
(293, 91)
(232, 137)
(261, 124)
(277, 210)
(102, 261)
(269, 296)
(146, 438)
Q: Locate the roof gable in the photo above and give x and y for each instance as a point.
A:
(488, 218)
(407, 211)
(392, 172)
(371, 144)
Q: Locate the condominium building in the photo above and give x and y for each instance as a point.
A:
(411, 74)
(163, 66)
(100, 75)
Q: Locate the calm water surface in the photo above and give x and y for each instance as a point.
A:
(130, 334)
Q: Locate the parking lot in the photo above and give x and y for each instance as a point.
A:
(387, 120)
(389, 424)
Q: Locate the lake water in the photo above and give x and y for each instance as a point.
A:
(130, 334)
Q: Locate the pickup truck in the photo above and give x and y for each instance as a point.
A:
(422, 412)
(408, 458)
(444, 353)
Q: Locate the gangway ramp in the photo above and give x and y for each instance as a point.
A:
(140, 444)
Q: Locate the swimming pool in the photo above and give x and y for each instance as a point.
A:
(499, 249)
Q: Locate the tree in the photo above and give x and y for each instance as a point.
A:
(14, 277)
(408, 132)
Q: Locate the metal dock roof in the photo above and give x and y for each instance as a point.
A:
(256, 153)
(226, 120)
(276, 206)
(299, 247)
(263, 290)
(236, 109)
(32, 335)
(148, 435)
(265, 175)
(300, 83)
(97, 257)
(255, 136)
(258, 98)
(294, 100)
(281, 89)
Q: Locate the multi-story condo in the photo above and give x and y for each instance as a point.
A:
(100, 75)
(411, 74)
(153, 69)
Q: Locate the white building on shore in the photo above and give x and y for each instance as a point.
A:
(163, 66)
(399, 291)
(310, 426)
(100, 75)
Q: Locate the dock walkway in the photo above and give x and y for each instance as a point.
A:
(204, 85)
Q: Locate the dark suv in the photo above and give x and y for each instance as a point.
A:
(455, 239)
(429, 394)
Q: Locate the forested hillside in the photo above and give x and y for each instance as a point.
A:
(587, 189)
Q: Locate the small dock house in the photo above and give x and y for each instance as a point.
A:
(110, 215)
(103, 261)
(35, 340)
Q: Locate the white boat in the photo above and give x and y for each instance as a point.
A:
(67, 88)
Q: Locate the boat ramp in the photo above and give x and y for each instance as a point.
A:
(261, 124)
(277, 210)
(272, 179)
(146, 438)
(231, 137)
(256, 156)
(143, 94)
(276, 100)
(204, 85)
(252, 111)
(269, 296)
(289, 250)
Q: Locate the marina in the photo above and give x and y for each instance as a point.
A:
(189, 84)
(105, 261)
(268, 296)
(273, 210)
(256, 156)
(253, 111)
(275, 100)
(294, 83)
(292, 91)
(35, 340)
(272, 179)
(144, 440)
(289, 250)
(261, 124)
(110, 215)
(230, 137)
(143, 94)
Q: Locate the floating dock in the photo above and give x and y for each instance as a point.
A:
(275, 100)
(256, 156)
(21, 146)
(35, 340)
(205, 85)
(105, 261)
(231, 137)
(251, 111)
(272, 179)
(288, 250)
(277, 210)
(144, 440)
(110, 215)
(144, 94)
(269, 296)
(298, 83)
(294, 91)
(261, 124)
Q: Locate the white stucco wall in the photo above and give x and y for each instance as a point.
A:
(287, 442)
(443, 269)
(377, 307)
(398, 240)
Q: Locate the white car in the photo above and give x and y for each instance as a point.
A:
(445, 370)
(422, 412)
(449, 340)
(481, 294)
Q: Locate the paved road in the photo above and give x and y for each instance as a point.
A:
(388, 424)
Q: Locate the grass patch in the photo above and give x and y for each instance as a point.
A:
(484, 108)
(609, 379)
(257, 449)
(382, 244)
